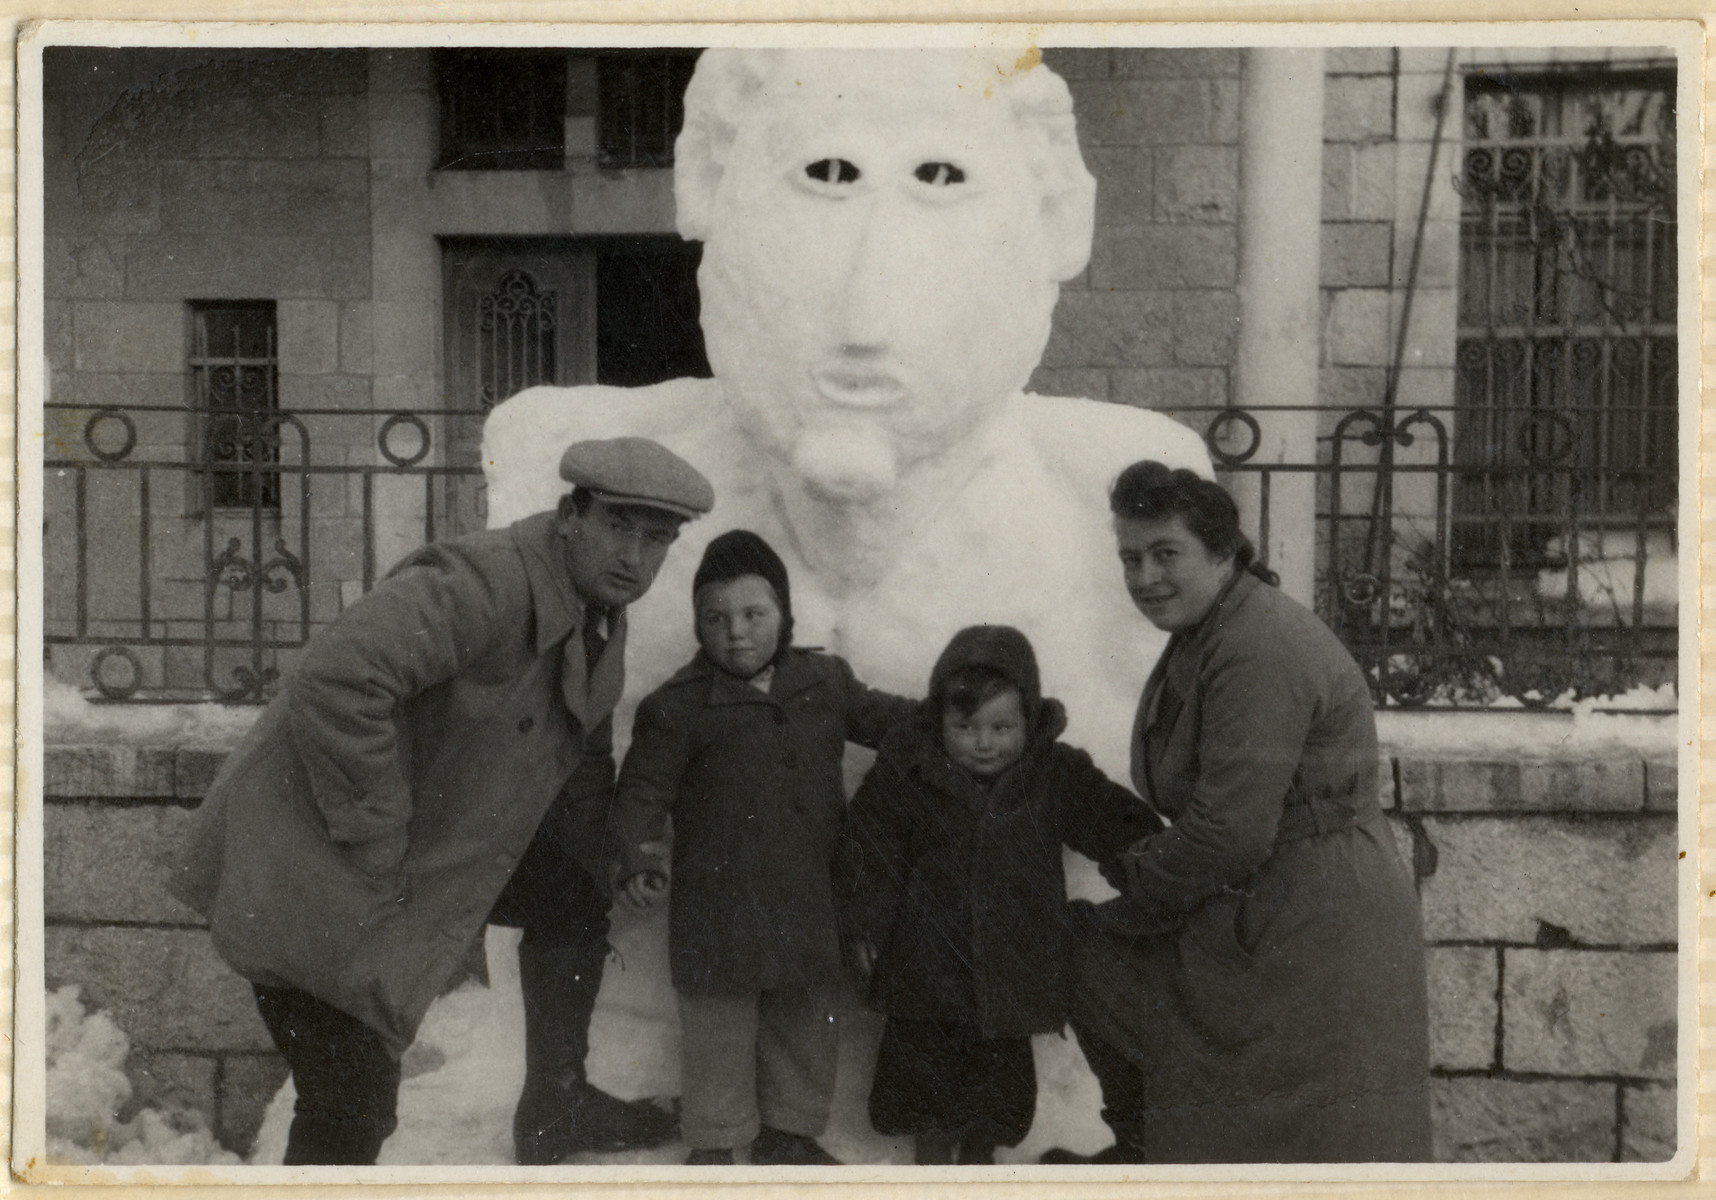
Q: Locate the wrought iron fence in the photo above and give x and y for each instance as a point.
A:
(170, 596)
(1581, 599)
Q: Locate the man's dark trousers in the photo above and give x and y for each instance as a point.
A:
(347, 1082)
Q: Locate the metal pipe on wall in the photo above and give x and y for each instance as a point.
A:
(1280, 236)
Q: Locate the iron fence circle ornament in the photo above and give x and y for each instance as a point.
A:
(98, 418)
(1362, 589)
(1558, 439)
(384, 439)
(109, 688)
(1218, 427)
(1409, 687)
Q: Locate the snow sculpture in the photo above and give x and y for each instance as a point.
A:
(885, 234)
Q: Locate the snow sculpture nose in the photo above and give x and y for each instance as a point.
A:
(883, 271)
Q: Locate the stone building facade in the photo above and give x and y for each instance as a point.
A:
(313, 198)
(310, 195)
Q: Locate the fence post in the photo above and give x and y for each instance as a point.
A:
(1280, 231)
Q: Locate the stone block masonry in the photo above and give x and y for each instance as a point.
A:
(1547, 885)
(113, 816)
(1153, 320)
(1549, 898)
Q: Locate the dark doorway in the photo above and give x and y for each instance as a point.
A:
(647, 310)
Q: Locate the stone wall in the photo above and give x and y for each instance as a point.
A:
(112, 817)
(172, 177)
(1153, 320)
(1548, 889)
(302, 177)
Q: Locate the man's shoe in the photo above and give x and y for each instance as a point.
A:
(586, 1120)
(1120, 1152)
(778, 1148)
(560, 1113)
(710, 1158)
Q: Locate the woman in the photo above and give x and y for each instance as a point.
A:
(1257, 992)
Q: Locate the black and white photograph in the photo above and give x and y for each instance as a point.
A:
(891, 603)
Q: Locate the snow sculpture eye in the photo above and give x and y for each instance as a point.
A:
(939, 174)
(833, 170)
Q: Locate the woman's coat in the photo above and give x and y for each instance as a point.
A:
(754, 784)
(1266, 964)
(423, 735)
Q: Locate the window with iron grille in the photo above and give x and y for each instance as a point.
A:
(1565, 383)
(502, 110)
(641, 105)
(519, 312)
(235, 381)
(516, 110)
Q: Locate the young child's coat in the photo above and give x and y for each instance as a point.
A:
(960, 887)
(753, 781)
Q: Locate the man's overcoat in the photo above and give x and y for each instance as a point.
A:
(1276, 996)
(424, 728)
(754, 784)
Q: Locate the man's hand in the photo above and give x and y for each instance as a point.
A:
(642, 890)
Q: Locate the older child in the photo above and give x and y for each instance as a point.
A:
(951, 870)
(743, 747)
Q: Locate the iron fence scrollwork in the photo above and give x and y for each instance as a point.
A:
(177, 596)
(1594, 611)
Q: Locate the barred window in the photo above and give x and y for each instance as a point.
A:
(235, 380)
(528, 110)
(1565, 384)
(641, 101)
(502, 110)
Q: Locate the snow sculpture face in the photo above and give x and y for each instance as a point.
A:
(885, 234)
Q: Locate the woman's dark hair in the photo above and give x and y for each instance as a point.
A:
(1152, 491)
(969, 688)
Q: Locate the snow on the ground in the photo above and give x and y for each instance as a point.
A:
(87, 1090)
(467, 1066)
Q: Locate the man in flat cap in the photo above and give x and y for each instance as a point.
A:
(441, 759)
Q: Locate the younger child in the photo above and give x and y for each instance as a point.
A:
(743, 747)
(955, 897)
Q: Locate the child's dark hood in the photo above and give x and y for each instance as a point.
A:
(1000, 648)
(740, 552)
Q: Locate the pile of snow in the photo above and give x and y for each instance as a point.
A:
(87, 1089)
(1610, 568)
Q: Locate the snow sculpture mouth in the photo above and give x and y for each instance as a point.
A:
(849, 388)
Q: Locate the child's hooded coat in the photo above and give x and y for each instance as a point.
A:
(960, 887)
(753, 781)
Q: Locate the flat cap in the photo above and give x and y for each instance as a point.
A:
(634, 470)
